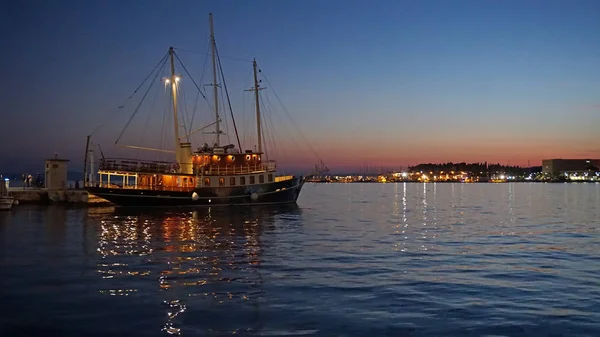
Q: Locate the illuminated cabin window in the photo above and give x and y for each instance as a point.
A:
(252, 180)
(206, 181)
(261, 178)
(242, 180)
(270, 178)
(221, 181)
(232, 181)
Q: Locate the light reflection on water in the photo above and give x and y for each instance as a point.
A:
(206, 253)
(351, 259)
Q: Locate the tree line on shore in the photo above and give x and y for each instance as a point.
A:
(476, 168)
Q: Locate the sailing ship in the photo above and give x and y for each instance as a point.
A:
(215, 175)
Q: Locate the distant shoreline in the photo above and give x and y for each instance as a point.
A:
(456, 182)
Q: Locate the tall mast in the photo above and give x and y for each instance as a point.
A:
(174, 81)
(214, 66)
(257, 106)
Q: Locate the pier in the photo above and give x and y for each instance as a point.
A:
(37, 196)
(56, 190)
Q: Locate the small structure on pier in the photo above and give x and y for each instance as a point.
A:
(56, 173)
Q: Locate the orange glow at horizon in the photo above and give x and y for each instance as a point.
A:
(512, 152)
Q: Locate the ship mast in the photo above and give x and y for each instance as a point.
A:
(174, 80)
(256, 88)
(214, 67)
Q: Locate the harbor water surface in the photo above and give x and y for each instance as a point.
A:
(348, 260)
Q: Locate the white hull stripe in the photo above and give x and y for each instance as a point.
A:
(217, 205)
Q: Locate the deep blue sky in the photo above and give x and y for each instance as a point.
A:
(381, 82)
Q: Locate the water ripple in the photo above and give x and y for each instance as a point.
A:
(352, 259)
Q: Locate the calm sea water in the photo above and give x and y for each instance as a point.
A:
(349, 260)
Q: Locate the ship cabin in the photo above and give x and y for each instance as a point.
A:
(210, 168)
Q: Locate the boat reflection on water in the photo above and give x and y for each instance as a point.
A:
(201, 264)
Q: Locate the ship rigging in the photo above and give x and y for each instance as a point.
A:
(217, 174)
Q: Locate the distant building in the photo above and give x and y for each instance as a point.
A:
(56, 173)
(561, 166)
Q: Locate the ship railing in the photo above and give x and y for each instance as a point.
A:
(270, 165)
(143, 166)
(237, 169)
(143, 187)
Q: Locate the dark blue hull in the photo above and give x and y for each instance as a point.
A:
(263, 194)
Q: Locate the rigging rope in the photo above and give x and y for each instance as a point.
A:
(208, 54)
(290, 135)
(167, 113)
(264, 131)
(272, 133)
(131, 96)
(140, 104)
(201, 78)
(237, 136)
(269, 121)
(244, 119)
(148, 120)
(185, 116)
(194, 112)
(190, 75)
(224, 120)
(290, 117)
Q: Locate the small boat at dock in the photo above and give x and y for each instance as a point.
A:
(6, 200)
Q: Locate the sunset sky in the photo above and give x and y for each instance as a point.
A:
(385, 83)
